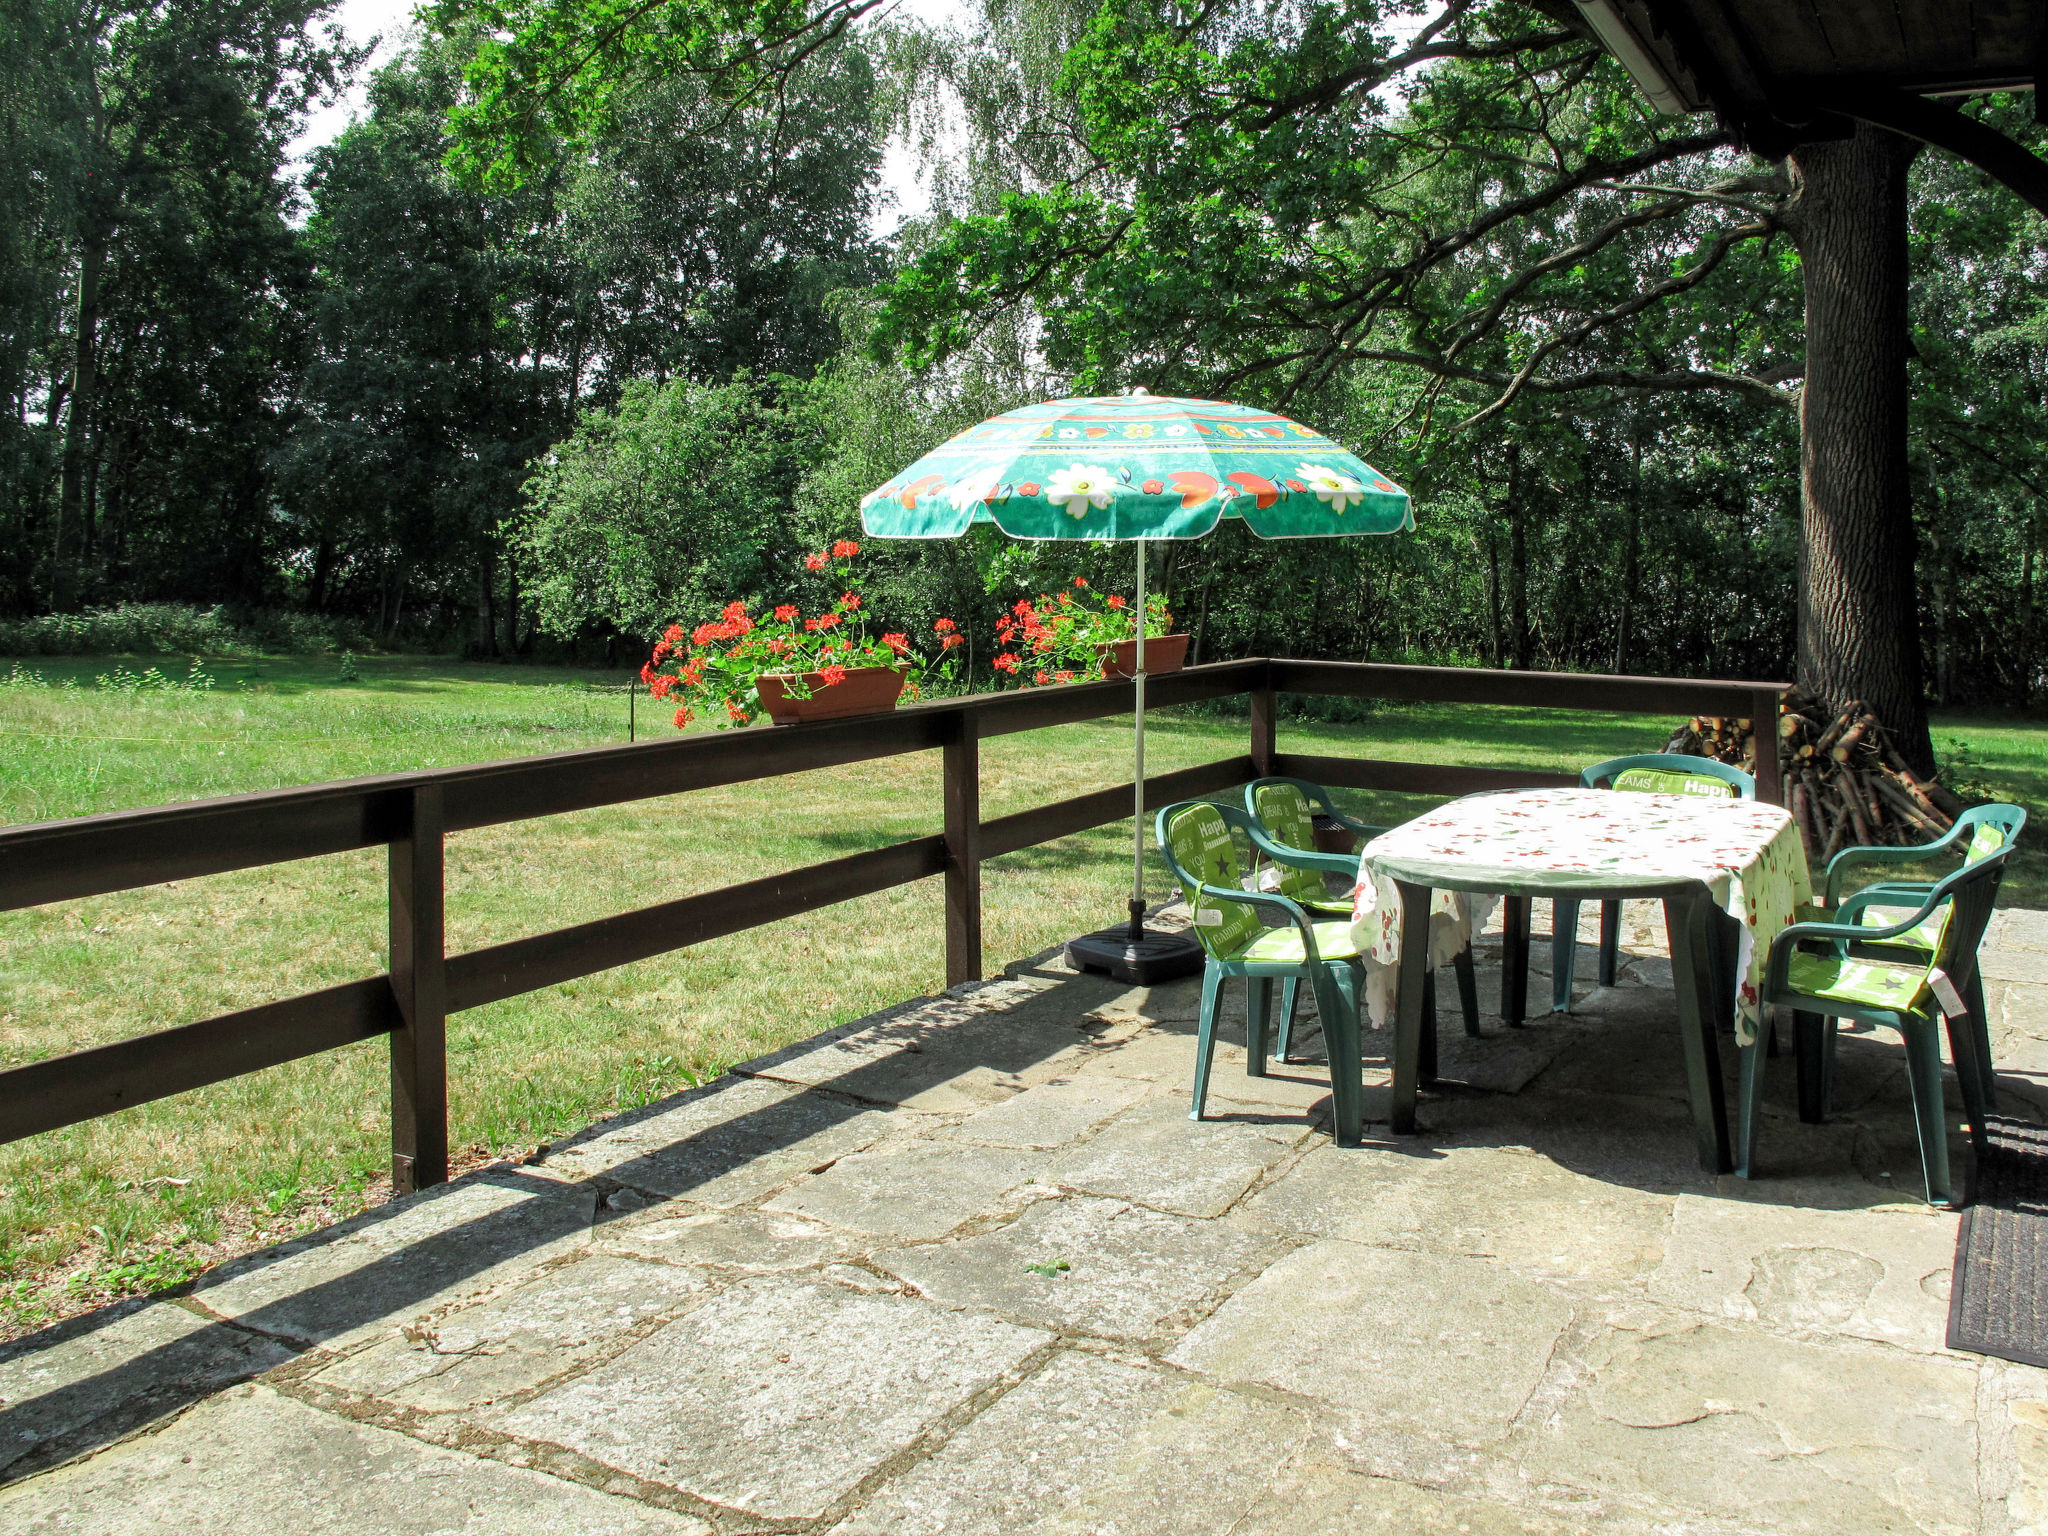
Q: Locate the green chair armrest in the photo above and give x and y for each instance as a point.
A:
(1291, 908)
(1840, 864)
(1840, 934)
(1303, 858)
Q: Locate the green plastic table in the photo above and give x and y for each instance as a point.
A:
(1700, 858)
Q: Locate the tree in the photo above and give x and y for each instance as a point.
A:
(157, 210)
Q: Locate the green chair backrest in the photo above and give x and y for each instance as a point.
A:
(1200, 849)
(1973, 893)
(1671, 773)
(1283, 811)
(1992, 827)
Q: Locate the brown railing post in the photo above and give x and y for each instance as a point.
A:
(419, 981)
(1265, 730)
(962, 767)
(1763, 727)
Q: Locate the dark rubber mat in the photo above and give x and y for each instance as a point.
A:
(1998, 1304)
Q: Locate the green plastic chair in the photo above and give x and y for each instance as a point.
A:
(1195, 838)
(1980, 831)
(1661, 773)
(1282, 829)
(1897, 991)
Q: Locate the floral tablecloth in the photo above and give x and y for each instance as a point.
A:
(1554, 842)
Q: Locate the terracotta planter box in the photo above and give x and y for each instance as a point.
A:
(863, 691)
(1163, 653)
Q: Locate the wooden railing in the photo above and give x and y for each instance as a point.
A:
(411, 815)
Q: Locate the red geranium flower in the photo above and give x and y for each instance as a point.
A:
(811, 625)
(952, 640)
(647, 673)
(662, 687)
(849, 601)
(833, 674)
(673, 634)
(683, 718)
(1065, 677)
(734, 710)
(785, 612)
(1080, 581)
(1115, 601)
(734, 611)
(945, 626)
(1005, 663)
(826, 620)
(1043, 677)
(900, 644)
(1022, 607)
(845, 549)
(814, 562)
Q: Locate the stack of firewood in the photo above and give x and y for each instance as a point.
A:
(1845, 781)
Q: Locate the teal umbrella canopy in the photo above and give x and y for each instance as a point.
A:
(1137, 467)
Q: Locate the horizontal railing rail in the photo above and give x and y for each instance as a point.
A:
(411, 814)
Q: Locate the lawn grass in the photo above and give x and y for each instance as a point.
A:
(147, 1197)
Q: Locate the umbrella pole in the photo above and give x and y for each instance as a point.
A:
(1138, 818)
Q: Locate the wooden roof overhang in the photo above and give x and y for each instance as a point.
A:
(1786, 72)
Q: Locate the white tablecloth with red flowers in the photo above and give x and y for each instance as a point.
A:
(1554, 842)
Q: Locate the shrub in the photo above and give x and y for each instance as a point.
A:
(176, 629)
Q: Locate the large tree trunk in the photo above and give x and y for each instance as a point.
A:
(1859, 635)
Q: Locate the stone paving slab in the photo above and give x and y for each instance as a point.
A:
(726, 1144)
(1780, 1434)
(402, 1260)
(951, 1054)
(1439, 1348)
(85, 1383)
(482, 1354)
(1155, 1155)
(779, 1397)
(749, 1242)
(254, 1463)
(1318, 1499)
(914, 1189)
(1477, 1202)
(1880, 1274)
(1129, 1272)
(1095, 1445)
(1049, 1115)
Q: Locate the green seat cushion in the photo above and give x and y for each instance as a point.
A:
(1326, 903)
(1669, 781)
(1201, 844)
(1283, 946)
(1985, 841)
(1865, 983)
(1283, 811)
(1925, 934)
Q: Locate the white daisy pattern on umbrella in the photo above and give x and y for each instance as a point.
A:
(1080, 488)
(1338, 491)
(976, 487)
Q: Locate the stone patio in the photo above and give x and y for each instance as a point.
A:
(968, 1267)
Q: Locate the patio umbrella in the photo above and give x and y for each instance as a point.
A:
(1137, 467)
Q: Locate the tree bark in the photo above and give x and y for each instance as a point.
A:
(1518, 564)
(2023, 694)
(1858, 630)
(84, 382)
(1631, 555)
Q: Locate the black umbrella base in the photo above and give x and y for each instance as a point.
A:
(1142, 962)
